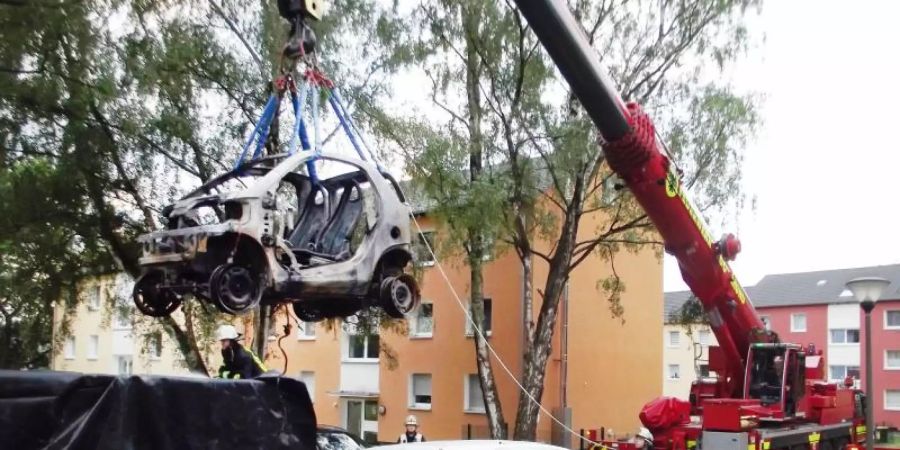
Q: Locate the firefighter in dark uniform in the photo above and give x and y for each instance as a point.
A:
(237, 362)
(412, 432)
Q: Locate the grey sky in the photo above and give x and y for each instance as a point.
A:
(825, 165)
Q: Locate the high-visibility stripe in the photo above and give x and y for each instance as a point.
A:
(262, 367)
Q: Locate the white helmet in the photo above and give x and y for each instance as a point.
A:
(411, 420)
(646, 435)
(226, 332)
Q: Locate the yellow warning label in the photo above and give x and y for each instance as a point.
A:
(814, 437)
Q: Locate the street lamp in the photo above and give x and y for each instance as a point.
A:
(867, 291)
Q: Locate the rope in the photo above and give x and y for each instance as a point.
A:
(503, 365)
(356, 130)
(300, 132)
(298, 121)
(316, 125)
(287, 332)
(264, 134)
(337, 112)
(267, 111)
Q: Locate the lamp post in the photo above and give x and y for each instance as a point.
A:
(867, 291)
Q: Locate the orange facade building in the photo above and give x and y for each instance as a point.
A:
(603, 369)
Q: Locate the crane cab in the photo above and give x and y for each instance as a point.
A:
(776, 376)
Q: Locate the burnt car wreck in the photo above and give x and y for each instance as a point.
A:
(267, 232)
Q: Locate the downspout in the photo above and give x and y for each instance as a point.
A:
(564, 350)
(525, 319)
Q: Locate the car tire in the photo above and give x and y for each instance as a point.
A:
(152, 300)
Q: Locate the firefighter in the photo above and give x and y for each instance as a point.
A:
(644, 439)
(237, 362)
(412, 431)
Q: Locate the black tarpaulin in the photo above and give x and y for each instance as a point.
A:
(63, 410)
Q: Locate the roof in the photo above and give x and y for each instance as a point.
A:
(824, 287)
(673, 301)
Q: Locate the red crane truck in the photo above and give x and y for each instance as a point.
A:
(768, 395)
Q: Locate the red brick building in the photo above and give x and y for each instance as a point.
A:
(816, 308)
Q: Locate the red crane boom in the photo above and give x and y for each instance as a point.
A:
(768, 395)
(633, 152)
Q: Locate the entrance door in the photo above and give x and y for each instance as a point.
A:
(354, 416)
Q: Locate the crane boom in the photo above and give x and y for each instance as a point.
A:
(633, 152)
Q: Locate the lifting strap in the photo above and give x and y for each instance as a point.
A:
(315, 82)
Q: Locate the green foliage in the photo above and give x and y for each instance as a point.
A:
(109, 110)
(501, 101)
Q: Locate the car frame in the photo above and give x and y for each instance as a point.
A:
(255, 249)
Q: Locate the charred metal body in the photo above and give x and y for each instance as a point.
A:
(266, 232)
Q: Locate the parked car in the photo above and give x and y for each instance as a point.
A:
(471, 445)
(335, 438)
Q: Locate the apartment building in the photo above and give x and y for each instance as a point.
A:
(685, 348)
(105, 334)
(600, 373)
(816, 308)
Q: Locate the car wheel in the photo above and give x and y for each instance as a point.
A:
(399, 295)
(234, 289)
(308, 313)
(151, 299)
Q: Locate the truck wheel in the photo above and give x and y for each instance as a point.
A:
(399, 295)
(234, 289)
(151, 299)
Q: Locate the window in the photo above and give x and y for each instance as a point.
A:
(842, 336)
(93, 297)
(123, 318)
(892, 319)
(674, 338)
(306, 331)
(421, 254)
(892, 359)
(767, 321)
(69, 348)
(474, 396)
(839, 373)
(124, 365)
(798, 323)
(674, 371)
(892, 399)
(309, 379)
(704, 370)
(155, 346)
(703, 337)
(420, 391)
(363, 347)
(370, 411)
(423, 322)
(488, 309)
(93, 344)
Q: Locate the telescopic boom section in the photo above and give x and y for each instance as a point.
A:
(629, 142)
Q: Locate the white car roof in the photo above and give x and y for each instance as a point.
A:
(471, 445)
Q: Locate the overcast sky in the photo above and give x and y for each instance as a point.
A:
(825, 165)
